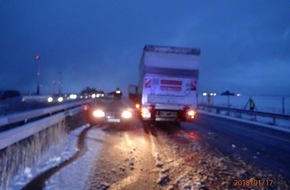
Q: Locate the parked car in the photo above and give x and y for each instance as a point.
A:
(5, 94)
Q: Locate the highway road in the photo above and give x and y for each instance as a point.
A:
(268, 148)
(209, 153)
(200, 157)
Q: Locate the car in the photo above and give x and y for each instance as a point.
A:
(5, 94)
(110, 110)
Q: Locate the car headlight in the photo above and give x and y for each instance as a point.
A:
(126, 114)
(50, 99)
(60, 99)
(99, 113)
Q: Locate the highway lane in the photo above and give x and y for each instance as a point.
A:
(266, 148)
(167, 157)
(209, 153)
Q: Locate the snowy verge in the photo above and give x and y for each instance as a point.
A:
(73, 176)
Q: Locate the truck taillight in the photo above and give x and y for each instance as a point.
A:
(145, 110)
(191, 113)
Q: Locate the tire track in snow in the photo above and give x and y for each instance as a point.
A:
(38, 183)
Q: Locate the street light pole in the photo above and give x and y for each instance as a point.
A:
(37, 57)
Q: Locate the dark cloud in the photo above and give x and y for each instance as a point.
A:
(245, 44)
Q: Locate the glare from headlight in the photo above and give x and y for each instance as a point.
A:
(60, 99)
(98, 113)
(73, 96)
(126, 114)
(50, 99)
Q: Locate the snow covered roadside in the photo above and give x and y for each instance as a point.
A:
(73, 176)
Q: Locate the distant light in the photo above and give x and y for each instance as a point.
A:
(93, 96)
(60, 99)
(118, 91)
(239, 94)
(50, 99)
(73, 96)
(98, 95)
(37, 57)
(204, 94)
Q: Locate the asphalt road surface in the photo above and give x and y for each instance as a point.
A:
(267, 148)
(208, 154)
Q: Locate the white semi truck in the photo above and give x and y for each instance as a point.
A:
(168, 82)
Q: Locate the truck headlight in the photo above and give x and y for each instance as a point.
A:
(99, 113)
(126, 114)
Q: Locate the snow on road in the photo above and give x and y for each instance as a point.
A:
(73, 176)
(122, 158)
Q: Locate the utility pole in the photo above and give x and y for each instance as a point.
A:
(283, 105)
(53, 86)
(59, 83)
(37, 58)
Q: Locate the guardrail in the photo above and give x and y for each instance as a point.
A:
(239, 112)
(30, 115)
(34, 121)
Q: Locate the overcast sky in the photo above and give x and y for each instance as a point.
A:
(245, 44)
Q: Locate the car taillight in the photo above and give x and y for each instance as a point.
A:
(99, 113)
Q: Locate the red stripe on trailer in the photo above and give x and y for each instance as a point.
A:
(193, 85)
(171, 82)
(147, 83)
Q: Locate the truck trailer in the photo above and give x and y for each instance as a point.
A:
(168, 79)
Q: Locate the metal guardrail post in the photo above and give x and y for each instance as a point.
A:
(254, 114)
(283, 105)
